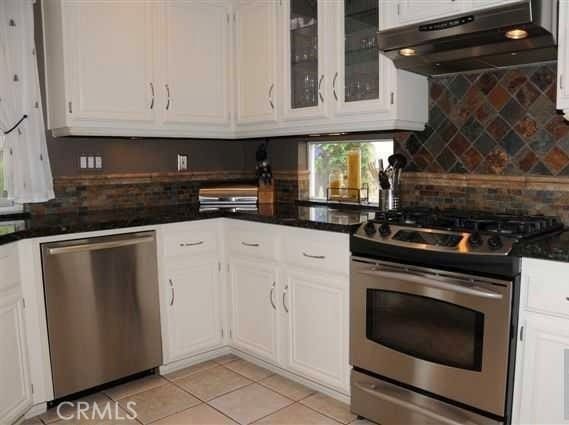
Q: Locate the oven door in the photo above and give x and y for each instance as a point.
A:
(445, 333)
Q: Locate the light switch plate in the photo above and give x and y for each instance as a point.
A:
(183, 162)
(98, 162)
(90, 162)
(82, 162)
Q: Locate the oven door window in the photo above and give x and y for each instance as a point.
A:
(426, 328)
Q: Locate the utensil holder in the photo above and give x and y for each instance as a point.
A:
(389, 199)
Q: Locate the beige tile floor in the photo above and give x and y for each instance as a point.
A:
(225, 391)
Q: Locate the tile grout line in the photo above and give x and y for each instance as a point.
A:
(324, 414)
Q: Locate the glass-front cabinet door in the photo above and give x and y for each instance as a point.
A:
(360, 80)
(304, 40)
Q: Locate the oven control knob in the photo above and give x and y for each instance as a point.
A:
(384, 229)
(494, 242)
(475, 240)
(369, 228)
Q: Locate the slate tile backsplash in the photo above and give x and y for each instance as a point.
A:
(500, 122)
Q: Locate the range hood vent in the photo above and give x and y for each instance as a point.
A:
(476, 40)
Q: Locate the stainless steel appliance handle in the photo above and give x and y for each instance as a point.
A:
(317, 257)
(454, 285)
(370, 389)
(153, 95)
(173, 293)
(271, 294)
(284, 298)
(99, 245)
(334, 86)
(271, 103)
(253, 245)
(183, 244)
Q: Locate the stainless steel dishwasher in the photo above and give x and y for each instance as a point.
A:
(103, 314)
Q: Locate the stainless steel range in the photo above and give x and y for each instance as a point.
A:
(433, 299)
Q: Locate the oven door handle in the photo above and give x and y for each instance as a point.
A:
(450, 285)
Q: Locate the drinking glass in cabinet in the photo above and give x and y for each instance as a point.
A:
(304, 53)
(361, 54)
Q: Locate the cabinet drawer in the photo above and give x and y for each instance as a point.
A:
(548, 287)
(252, 239)
(328, 252)
(190, 241)
(9, 266)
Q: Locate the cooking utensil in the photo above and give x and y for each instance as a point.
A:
(397, 160)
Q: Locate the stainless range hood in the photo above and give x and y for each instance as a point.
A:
(476, 40)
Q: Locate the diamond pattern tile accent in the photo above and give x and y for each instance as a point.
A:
(498, 122)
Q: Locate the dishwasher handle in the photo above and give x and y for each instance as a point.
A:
(94, 246)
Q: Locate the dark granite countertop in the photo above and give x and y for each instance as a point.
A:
(552, 247)
(318, 217)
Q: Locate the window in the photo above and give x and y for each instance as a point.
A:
(328, 159)
(6, 205)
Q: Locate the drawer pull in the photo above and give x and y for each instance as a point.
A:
(317, 257)
(254, 245)
(173, 293)
(191, 244)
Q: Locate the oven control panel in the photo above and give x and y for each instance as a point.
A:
(435, 239)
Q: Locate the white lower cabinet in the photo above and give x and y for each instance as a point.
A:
(545, 386)
(316, 306)
(253, 307)
(194, 319)
(15, 386)
(191, 290)
(541, 390)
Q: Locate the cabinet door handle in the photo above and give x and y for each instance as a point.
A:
(191, 243)
(271, 103)
(320, 88)
(271, 295)
(173, 297)
(253, 245)
(285, 292)
(168, 95)
(317, 257)
(334, 86)
(153, 96)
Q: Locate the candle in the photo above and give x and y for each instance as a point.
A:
(354, 173)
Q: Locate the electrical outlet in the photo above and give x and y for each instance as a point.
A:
(183, 162)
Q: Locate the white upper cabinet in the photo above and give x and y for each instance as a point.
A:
(194, 59)
(563, 60)
(224, 68)
(257, 87)
(412, 11)
(399, 13)
(362, 77)
(306, 32)
(137, 67)
(111, 61)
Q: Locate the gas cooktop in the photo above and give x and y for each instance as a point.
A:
(428, 236)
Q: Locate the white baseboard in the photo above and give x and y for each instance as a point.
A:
(190, 361)
(36, 410)
(343, 397)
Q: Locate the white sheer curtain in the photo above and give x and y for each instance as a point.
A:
(26, 161)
